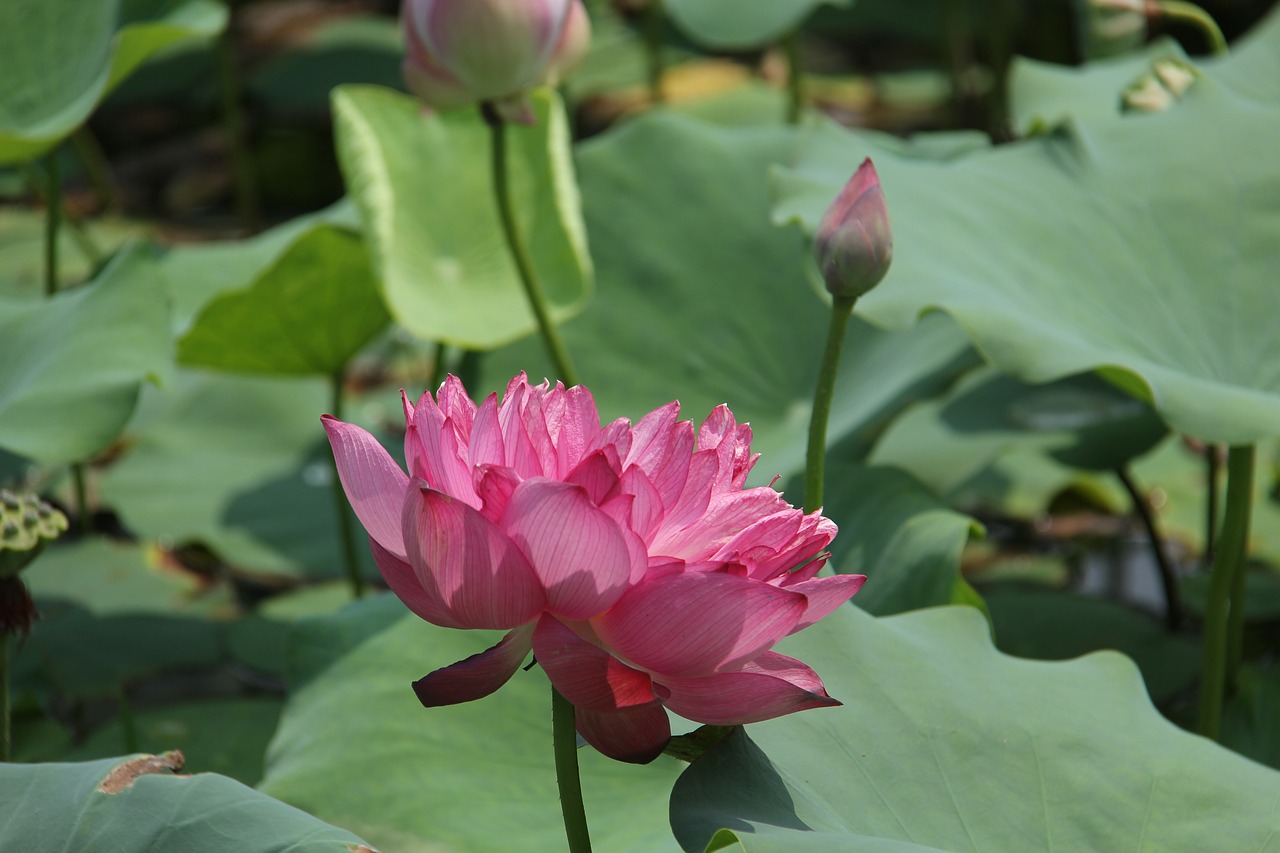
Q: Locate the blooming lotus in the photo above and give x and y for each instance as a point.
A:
(462, 52)
(632, 560)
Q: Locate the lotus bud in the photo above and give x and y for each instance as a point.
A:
(462, 52)
(854, 243)
(27, 524)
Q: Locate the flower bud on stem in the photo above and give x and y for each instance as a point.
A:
(519, 253)
(853, 248)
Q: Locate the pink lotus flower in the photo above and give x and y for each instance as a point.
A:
(462, 52)
(854, 244)
(639, 570)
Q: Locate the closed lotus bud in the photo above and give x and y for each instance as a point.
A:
(854, 243)
(462, 52)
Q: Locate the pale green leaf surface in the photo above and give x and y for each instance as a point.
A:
(423, 186)
(60, 806)
(475, 777)
(308, 313)
(945, 744)
(60, 58)
(197, 273)
(87, 350)
(1045, 93)
(1160, 274)
(722, 308)
(905, 540)
(238, 463)
(1042, 92)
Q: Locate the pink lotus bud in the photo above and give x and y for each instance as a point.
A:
(462, 52)
(854, 244)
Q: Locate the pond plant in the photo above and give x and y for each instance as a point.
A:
(973, 544)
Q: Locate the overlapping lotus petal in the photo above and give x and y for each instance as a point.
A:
(631, 559)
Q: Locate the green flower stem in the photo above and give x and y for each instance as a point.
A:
(1212, 469)
(6, 733)
(52, 222)
(564, 735)
(795, 76)
(1227, 563)
(654, 20)
(346, 530)
(38, 181)
(79, 484)
(520, 254)
(1192, 14)
(52, 219)
(248, 201)
(1235, 621)
(1168, 578)
(815, 460)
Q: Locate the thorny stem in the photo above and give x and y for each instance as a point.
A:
(815, 459)
(556, 349)
(1220, 621)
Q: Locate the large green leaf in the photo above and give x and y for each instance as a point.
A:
(423, 185)
(1053, 625)
(474, 777)
(1079, 421)
(898, 534)
(65, 807)
(945, 744)
(71, 366)
(1144, 247)
(308, 313)
(22, 249)
(62, 57)
(741, 24)
(701, 299)
(239, 464)
(1043, 93)
(197, 273)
